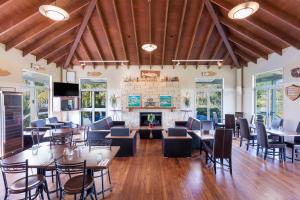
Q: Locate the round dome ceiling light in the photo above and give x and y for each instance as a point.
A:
(53, 12)
(149, 47)
(243, 10)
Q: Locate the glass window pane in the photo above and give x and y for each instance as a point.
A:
(202, 106)
(86, 118)
(209, 84)
(215, 103)
(99, 115)
(100, 99)
(93, 84)
(42, 97)
(86, 99)
(268, 78)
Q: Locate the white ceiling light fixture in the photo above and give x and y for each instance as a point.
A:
(219, 63)
(243, 10)
(54, 12)
(149, 47)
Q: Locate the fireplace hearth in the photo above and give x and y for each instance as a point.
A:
(144, 118)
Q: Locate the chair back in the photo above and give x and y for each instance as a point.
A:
(95, 138)
(70, 169)
(298, 128)
(262, 137)
(297, 139)
(119, 131)
(244, 128)
(35, 136)
(252, 120)
(38, 123)
(222, 143)
(277, 122)
(206, 125)
(178, 131)
(14, 168)
(260, 118)
(53, 119)
(229, 121)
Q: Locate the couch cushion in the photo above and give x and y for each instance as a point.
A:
(179, 131)
(118, 131)
(38, 123)
(52, 119)
(100, 125)
(196, 124)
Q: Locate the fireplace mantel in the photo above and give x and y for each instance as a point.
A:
(151, 108)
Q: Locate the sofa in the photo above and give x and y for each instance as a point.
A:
(124, 138)
(177, 143)
(191, 124)
(53, 120)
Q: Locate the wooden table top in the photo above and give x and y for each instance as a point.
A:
(59, 132)
(131, 135)
(150, 128)
(44, 156)
(205, 135)
(279, 132)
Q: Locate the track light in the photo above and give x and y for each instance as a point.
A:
(220, 63)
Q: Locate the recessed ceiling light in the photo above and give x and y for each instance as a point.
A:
(243, 10)
(149, 47)
(53, 12)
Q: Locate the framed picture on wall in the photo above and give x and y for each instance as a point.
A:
(134, 101)
(165, 101)
(71, 77)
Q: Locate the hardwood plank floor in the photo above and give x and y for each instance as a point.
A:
(149, 175)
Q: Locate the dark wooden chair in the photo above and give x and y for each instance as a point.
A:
(79, 183)
(31, 185)
(294, 144)
(277, 123)
(217, 124)
(206, 125)
(238, 116)
(230, 122)
(263, 142)
(245, 133)
(221, 149)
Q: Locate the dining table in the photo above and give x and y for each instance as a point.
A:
(59, 132)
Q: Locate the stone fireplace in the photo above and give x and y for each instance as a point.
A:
(144, 120)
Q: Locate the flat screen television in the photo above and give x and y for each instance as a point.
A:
(65, 89)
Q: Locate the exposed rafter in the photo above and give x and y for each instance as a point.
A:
(222, 33)
(86, 49)
(95, 40)
(251, 36)
(53, 57)
(165, 32)
(135, 32)
(205, 43)
(262, 26)
(245, 55)
(216, 50)
(180, 29)
(83, 25)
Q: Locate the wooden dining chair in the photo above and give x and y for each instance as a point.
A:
(294, 144)
(79, 183)
(32, 186)
(230, 122)
(263, 143)
(246, 133)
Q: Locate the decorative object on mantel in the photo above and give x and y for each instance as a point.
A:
(187, 100)
(71, 77)
(151, 118)
(292, 92)
(295, 72)
(4, 72)
(149, 102)
(165, 101)
(94, 74)
(114, 100)
(208, 73)
(134, 101)
(37, 67)
(150, 74)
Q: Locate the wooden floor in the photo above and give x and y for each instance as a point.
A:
(149, 175)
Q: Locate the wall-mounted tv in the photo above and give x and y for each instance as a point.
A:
(65, 89)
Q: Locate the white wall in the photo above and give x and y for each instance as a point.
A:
(186, 77)
(289, 59)
(14, 62)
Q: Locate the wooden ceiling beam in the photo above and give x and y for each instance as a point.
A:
(58, 58)
(135, 32)
(248, 47)
(54, 48)
(54, 56)
(86, 18)
(285, 17)
(222, 33)
(180, 28)
(206, 40)
(245, 55)
(53, 36)
(104, 27)
(16, 20)
(96, 42)
(165, 32)
(195, 31)
(251, 36)
(262, 26)
(244, 60)
(86, 49)
(225, 57)
(3, 3)
(120, 28)
(42, 27)
(150, 31)
(216, 50)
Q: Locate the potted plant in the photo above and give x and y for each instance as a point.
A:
(187, 100)
(151, 118)
(113, 100)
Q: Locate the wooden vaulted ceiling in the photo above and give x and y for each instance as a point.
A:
(182, 29)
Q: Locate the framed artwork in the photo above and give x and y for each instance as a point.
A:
(292, 92)
(150, 74)
(71, 77)
(165, 101)
(134, 101)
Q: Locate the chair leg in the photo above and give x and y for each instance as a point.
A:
(215, 166)
(293, 154)
(95, 192)
(257, 150)
(248, 142)
(102, 183)
(47, 189)
(241, 141)
(108, 173)
(230, 165)
(266, 153)
(274, 153)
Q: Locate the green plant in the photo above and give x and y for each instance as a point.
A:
(151, 118)
(113, 100)
(187, 100)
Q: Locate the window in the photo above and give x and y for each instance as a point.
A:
(93, 100)
(36, 89)
(209, 98)
(269, 95)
